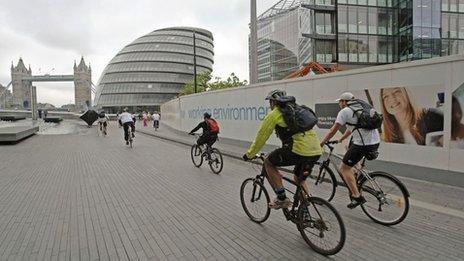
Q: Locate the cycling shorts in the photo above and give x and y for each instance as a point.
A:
(356, 152)
(286, 157)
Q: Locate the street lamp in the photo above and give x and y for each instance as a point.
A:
(194, 61)
(253, 43)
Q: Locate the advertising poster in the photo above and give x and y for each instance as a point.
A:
(411, 115)
(457, 121)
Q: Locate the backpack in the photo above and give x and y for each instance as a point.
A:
(368, 117)
(298, 118)
(213, 126)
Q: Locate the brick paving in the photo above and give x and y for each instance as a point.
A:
(84, 197)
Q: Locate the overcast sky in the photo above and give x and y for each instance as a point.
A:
(51, 34)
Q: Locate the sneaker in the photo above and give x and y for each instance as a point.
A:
(278, 204)
(356, 202)
(127, 142)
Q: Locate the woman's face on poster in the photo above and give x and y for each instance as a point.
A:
(395, 100)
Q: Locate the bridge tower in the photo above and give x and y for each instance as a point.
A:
(82, 88)
(21, 88)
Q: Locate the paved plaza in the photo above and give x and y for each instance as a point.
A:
(80, 196)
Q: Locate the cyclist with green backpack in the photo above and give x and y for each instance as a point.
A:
(210, 130)
(300, 146)
(363, 122)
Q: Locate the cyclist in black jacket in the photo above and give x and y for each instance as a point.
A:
(207, 137)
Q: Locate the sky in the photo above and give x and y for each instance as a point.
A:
(51, 34)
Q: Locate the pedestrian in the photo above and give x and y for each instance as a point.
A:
(156, 118)
(40, 114)
(144, 119)
(45, 114)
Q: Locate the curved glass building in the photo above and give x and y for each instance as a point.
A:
(153, 69)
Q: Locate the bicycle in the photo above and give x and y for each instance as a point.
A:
(318, 222)
(213, 156)
(380, 189)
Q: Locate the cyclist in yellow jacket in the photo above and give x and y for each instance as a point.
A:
(300, 149)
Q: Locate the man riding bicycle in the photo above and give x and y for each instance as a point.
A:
(103, 121)
(301, 149)
(127, 121)
(210, 131)
(364, 142)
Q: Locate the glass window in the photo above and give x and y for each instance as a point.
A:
(342, 19)
(461, 25)
(373, 20)
(320, 28)
(342, 2)
(445, 5)
(383, 49)
(353, 48)
(362, 48)
(461, 47)
(445, 25)
(382, 2)
(362, 2)
(453, 5)
(352, 2)
(372, 2)
(453, 48)
(362, 20)
(453, 26)
(352, 20)
(343, 48)
(383, 21)
(373, 49)
(461, 6)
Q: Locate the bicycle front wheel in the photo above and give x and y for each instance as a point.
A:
(255, 200)
(387, 198)
(215, 162)
(197, 155)
(323, 182)
(321, 226)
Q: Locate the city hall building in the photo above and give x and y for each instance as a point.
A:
(153, 69)
(356, 33)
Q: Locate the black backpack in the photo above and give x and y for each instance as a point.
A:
(368, 117)
(298, 118)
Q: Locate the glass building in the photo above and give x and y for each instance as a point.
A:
(153, 69)
(356, 33)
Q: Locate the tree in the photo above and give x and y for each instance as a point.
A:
(204, 84)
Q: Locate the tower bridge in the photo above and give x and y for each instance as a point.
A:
(22, 85)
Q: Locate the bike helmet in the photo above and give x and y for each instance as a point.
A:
(275, 94)
(206, 115)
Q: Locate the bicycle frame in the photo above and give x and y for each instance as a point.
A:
(300, 191)
(361, 172)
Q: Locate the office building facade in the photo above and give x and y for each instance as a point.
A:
(356, 33)
(153, 69)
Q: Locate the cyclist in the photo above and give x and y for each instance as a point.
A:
(210, 131)
(300, 149)
(127, 121)
(103, 120)
(362, 143)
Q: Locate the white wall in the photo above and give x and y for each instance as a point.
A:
(240, 110)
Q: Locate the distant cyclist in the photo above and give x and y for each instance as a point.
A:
(210, 130)
(127, 122)
(103, 121)
(301, 149)
(364, 141)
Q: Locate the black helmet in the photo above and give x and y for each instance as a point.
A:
(206, 115)
(275, 94)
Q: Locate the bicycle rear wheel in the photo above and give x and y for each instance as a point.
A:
(255, 200)
(196, 154)
(387, 198)
(321, 226)
(323, 182)
(215, 162)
